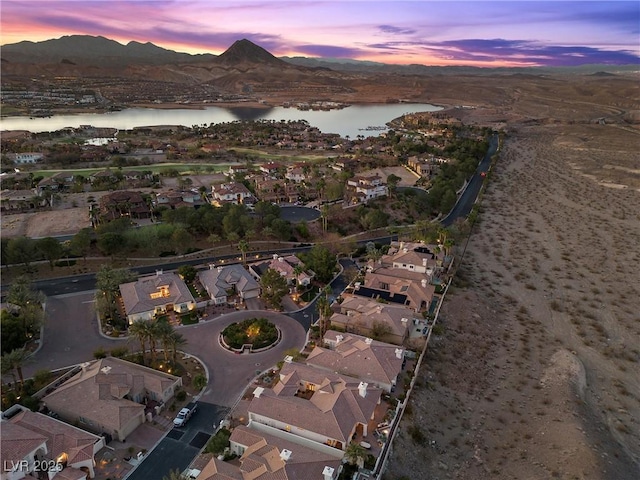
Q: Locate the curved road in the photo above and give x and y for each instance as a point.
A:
(463, 206)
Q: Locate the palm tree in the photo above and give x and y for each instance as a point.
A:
(16, 360)
(164, 331)
(214, 239)
(176, 340)
(174, 475)
(324, 213)
(243, 246)
(324, 310)
(355, 454)
(139, 331)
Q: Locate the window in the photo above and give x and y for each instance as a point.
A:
(384, 286)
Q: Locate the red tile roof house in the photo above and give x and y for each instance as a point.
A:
(70, 446)
(107, 396)
(316, 405)
(156, 295)
(286, 267)
(269, 454)
(123, 204)
(376, 363)
(361, 315)
(218, 281)
(233, 192)
(365, 188)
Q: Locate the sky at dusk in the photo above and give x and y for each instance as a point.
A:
(479, 33)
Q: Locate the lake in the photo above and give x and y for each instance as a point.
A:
(351, 121)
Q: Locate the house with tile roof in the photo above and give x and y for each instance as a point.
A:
(415, 257)
(371, 361)
(290, 267)
(266, 453)
(317, 405)
(224, 280)
(370, 318)
(233, 192)
(155, 295)
(398, 286)
(70, 446)
(20, 445)
(108, 396)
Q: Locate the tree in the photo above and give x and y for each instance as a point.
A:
(392, 183)
(355, 454)
(322, 261)
(274, 287)
(16, 360)
(50, 249)
(22, 294)
(243, 246)
(187, 272)
(214, 239)
(21, 250)
(139, 330)
(181, 240)
(324, 311)
(163, 332)
(81, 243)
(110, 243)
(108, 281)
(324, 214)
(174, 475)
(173, 342)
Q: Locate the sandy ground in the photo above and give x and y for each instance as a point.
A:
(536, 375)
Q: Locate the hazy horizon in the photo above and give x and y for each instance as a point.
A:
(476, 33)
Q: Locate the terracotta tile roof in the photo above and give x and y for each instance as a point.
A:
(98, 396)
(17, 442)
(262, 459)
(365, 312)
(374, 362)
(70, 473)
(137, 295)
(218, 280)
(61, 437)
(333, 410)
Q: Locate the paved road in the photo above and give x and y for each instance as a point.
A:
(70, 334)
(230, 373)
(465, 203)
(181, 445)
(299, 214)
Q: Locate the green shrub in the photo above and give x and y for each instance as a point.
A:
(99, 353)
(181, 396)
(218, 442)
(119, 352)
(199, 381)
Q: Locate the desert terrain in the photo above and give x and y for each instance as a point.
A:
(536, 374)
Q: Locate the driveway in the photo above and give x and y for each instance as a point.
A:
(299, 214)
(70, 334)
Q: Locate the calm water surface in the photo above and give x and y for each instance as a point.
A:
(351, 121)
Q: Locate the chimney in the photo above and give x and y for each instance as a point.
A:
(285, 454)
(275, 256)
(280, 259)
(327, 473)
(404, 320)
(399, 352)
(368, 340)
(258, 391)
(424, 283)
(339, 338)
(105, 370)
(362, 389)
(401, 245)
(219, 269)
(158, 273)
(424, 262)
(405, 250)
(288, 359)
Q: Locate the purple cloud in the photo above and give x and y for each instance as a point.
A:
(396, 30)
(521, 50)
(330, 51)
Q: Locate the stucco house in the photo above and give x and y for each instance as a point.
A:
(222, 281)
(155, 295)
(316, 405)
(289, 267)
(371, 361)
(74, 449)
(370, 318)
(267, 454)
(108, 396)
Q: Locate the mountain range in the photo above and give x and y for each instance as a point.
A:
(101, 52)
